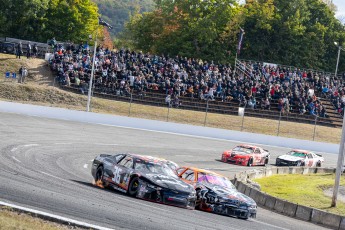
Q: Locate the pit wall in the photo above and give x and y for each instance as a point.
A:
(244, 184)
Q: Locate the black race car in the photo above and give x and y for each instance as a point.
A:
(215, 193)
(144, 177)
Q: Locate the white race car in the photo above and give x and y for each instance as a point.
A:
(299, 157)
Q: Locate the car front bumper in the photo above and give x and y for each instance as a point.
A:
(166, 196)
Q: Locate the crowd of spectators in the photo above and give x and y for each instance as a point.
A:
(255, 85)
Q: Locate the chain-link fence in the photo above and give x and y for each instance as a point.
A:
(214, 114)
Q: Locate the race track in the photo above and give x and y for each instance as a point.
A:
(45, 165)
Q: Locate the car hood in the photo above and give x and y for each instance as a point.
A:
(169, 182)
(290, 158)
(229, 194)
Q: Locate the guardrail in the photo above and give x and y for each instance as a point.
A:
(243, 183)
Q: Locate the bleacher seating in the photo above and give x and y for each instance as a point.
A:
(147, 79)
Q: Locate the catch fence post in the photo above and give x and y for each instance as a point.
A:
(130, 105)
(314, 128)
(168, 111)
(280, 116)
(206, 112)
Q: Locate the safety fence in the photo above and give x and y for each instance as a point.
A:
(226, 115)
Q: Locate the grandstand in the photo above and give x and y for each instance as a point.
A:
(280, 92)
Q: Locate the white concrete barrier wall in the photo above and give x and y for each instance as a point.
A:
(96, 118)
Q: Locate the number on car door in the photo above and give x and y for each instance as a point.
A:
(122, 171)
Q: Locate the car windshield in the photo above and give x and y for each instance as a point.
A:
(297, 154)
(215, 180)
(244, 149)
(150, 167)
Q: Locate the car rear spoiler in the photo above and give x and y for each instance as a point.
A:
(104, 155)
(320, 155)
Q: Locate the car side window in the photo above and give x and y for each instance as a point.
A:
(118, 157)
(257, 151)
(310, 155)
(180, 170)
(127, 162)
(188, 175)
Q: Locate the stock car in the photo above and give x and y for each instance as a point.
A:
(246, 155)
(144, 177)
(298, 157)
(215, 193)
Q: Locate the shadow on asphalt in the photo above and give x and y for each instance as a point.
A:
(106, 189)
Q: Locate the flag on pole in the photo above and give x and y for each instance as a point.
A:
(104, 23)
(240, 41)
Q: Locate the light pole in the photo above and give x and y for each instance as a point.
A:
(341, 148)
(103, 23)
(92, 74)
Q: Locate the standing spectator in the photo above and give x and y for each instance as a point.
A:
(19, 50)
(23, 73)
(28, 50)
(35, 50)
(21, 69)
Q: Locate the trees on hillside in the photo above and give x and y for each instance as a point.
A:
(118, 12)
(193, 28)
(294, 32)
(41, 20)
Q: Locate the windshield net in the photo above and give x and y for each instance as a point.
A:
(297, 154)
(247, 150)
(215, 180)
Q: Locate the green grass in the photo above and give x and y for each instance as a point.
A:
(307, 190)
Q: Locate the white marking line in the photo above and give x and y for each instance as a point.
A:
(14, 149)
(54, 176)
(14, 158)
(53, 216)
(91, 160)
(85, 166)
(30, 145)
(63, 143)
(271, 225)
(104, 144)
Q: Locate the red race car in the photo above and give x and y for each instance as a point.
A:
(247, 155)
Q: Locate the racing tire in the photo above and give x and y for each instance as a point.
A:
(250, 162)
(266, 162)
(99, 176)
(243, 218)
(133, 186)
(318, 164)
(224, 159)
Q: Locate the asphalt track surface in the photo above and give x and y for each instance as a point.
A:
(45, 165)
